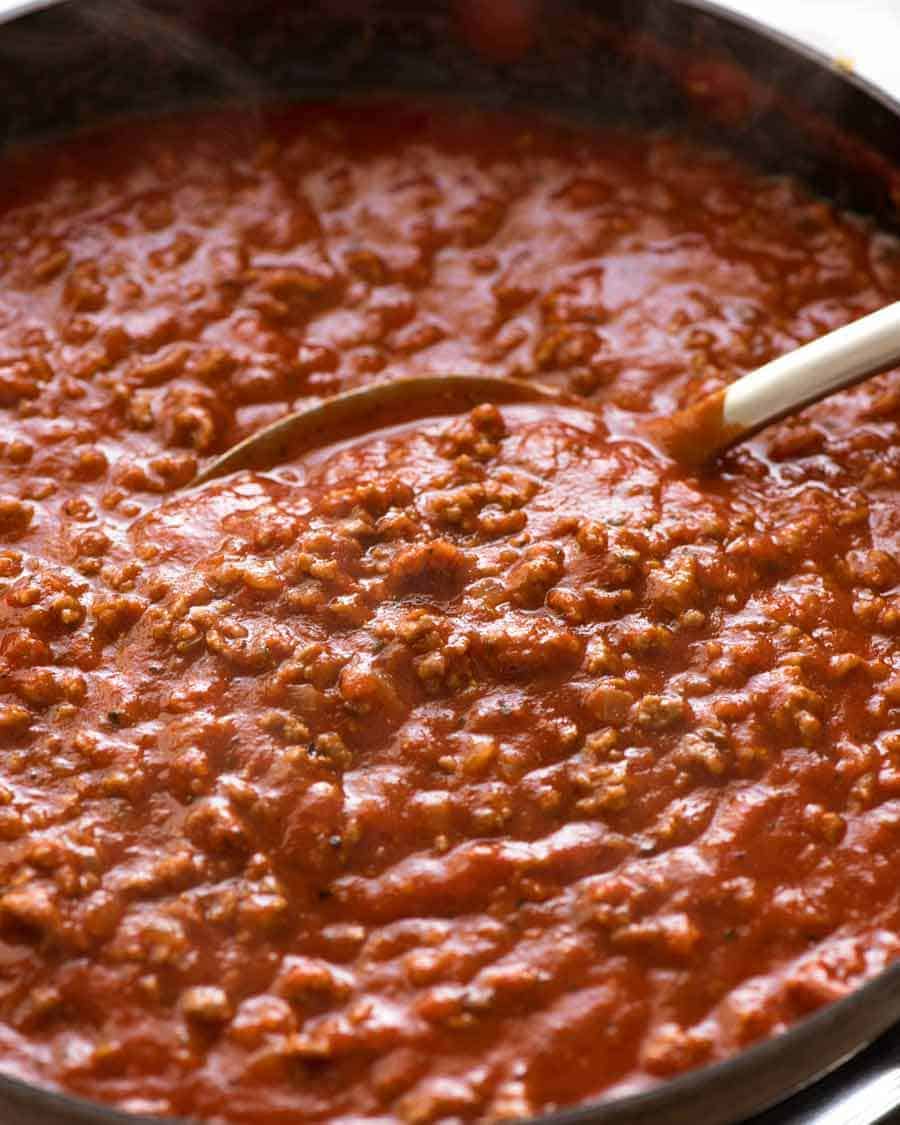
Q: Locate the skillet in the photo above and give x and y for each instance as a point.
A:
(655, 62)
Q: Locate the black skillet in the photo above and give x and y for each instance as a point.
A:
(65, 64)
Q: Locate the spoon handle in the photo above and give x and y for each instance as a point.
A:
(808, 374)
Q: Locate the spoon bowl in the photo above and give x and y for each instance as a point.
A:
(369, 408)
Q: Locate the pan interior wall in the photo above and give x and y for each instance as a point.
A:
(653, 62)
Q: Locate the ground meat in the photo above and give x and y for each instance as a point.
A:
(486, 764)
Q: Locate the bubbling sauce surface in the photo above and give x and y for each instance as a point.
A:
(484, 765)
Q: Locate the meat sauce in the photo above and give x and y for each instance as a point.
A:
(475, 766)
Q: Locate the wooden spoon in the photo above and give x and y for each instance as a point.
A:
(693, 436)
(360, 411)
(839, 359)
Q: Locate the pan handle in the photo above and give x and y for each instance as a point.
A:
(871, 1100)
(863, 1090)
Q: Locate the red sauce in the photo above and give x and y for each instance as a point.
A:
(696, 434)
(486, 764)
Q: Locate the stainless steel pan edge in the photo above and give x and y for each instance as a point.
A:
(772, 1071)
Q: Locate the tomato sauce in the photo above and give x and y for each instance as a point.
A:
(478, 765)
